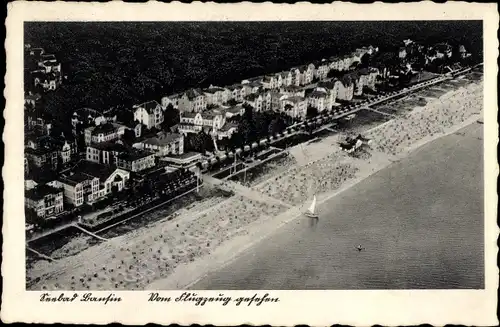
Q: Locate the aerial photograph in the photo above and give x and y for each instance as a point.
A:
(276, 155)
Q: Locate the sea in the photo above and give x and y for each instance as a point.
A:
(420, 223)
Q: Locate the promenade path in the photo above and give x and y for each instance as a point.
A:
(40, 254)
(47, 232)
(243, 191)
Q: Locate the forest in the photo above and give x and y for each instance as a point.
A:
(118, 64)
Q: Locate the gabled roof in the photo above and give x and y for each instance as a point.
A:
(255, 79)
(104, 128)
(235, 109)
(162, 140)
(74, 179)
(275, 94)
(253, 84)
(234, 87)
(294, 99)
(110, 146)
(213, 90)
(227, 126)
(37, 51)
(193, 93)
(317, 94)
(48, 56)
(210, 115)
(252, 97)
(134, 155)
(47, 148)
(93, 170)
(188, 114)
(292, 88)
(38, 192)
(149, 106)
(328, 85)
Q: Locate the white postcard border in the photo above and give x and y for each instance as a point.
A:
(438, 307)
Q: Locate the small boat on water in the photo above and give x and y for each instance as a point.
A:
(311, 212)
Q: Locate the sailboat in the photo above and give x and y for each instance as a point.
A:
(311, 212)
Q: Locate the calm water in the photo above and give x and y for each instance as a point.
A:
(419, 220)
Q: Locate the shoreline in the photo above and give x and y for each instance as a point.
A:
(234, 248)
(216, 259)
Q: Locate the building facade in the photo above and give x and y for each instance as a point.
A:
(45, 200)
(150, 114)
(163, 145)
(136, 160)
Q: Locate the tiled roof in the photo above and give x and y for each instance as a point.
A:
(188, 114)
(227, 126)
(251, 97)
(193, 93)
(149, 106)
(92, 169)
(295, 99)
(40, 191)
(48, 56)
(104, 128)
(209, 115)
(110, 146)
(327, 85)
(254, 84)
(234, 87)
(134, 155)
(292, 88)
(235, 109)
(212, 90)
(41, 151)
(162, 140)
(74, 179)
(317, 94)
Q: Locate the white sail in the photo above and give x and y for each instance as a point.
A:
(312, 208)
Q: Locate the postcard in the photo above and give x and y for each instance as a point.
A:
(231, 164)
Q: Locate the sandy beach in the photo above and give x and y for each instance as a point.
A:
(173, 253)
